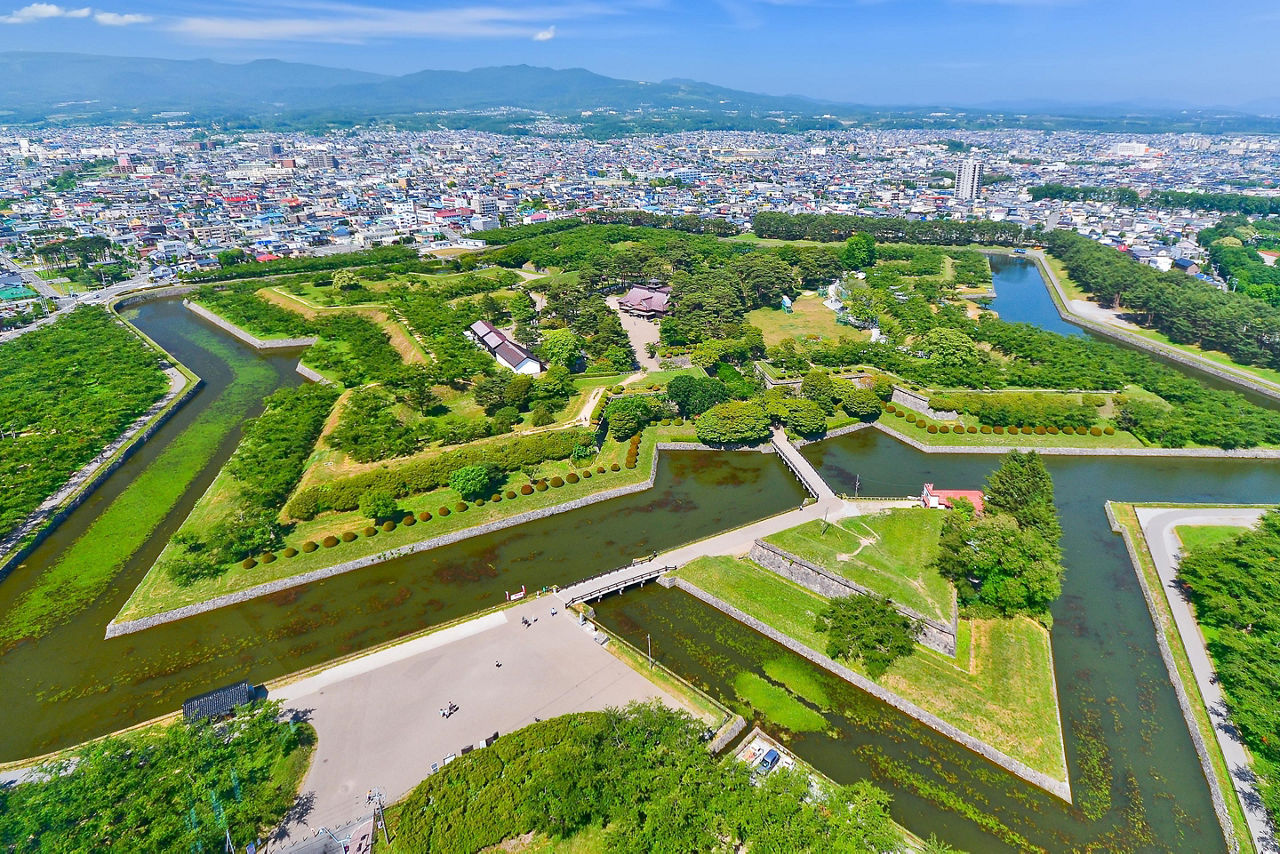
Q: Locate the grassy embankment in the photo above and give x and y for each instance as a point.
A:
(1205, 536)
(1073, 291)
(1121, 438)
(158, 592)
(86, 569)
(999, 688)
(1127, 518)
(891, 553)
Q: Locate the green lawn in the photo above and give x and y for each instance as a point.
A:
(809, 318)
(890, 553)
(157, 592)
(664, 377)
(1004, 694)
(1121, 439)
(1195, 537)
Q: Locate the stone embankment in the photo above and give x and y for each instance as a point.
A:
(936, 635)
(248, 338)
(1059, 788)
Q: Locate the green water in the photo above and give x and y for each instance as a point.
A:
(66, 683)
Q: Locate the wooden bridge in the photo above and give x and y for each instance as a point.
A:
(613, 581)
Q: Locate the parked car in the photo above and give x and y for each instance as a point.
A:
(769, 761)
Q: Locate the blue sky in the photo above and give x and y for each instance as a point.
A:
(953, 52)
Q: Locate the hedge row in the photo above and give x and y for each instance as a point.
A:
(422, 476)
(987, 430)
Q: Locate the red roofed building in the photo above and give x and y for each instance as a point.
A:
(942, 498)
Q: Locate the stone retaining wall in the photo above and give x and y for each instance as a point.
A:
(832, 434)
(312, 374)
(1059, 788)
(937, 635)
(920, 403)
(115, 629)
(248, 338)
(1179, 688)
(1143, 343)
(158, 293)
(727, 734)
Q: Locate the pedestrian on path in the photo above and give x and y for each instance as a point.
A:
(497, 664)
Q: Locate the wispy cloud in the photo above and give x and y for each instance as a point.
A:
(118, 19)
(43, 11)
(342, 22)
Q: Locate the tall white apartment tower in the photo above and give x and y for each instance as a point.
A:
(968, 179)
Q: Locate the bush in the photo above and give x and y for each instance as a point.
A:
(985, 429)
(461, 507)
(268, 557)
(944, 429)
(541, 486)
(473, 481)
(510, 493)
(679, 422)
(444, 511)
(557, 481)
(921, 424)
(388, 526)
(309, 546)
(666, 422)
(290, 551)
(899, 414)
(998, 430)
(600, 469)
(889, 407)
(1027, 431)
(971, 429)
(1109, 430)
(409, 520)
(526, 489)
(497, 496)
(571, 478)
(1095, 431)
(424, 516)
(378, 503)
(1081, 431)
(370, 531)
(615, 467)
(329, 541)
(1039, 431)
(248, 563)
(1053, 431)
(933, 428)
(479, 502)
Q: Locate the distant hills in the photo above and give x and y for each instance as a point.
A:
(68, 88)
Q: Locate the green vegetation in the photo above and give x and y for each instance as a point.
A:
(1001, 692)
(66, 392)
(1198, 537)
(738, 422)
(1233, 249)
(777, 704)
(839, 227)
(401, 256)
(1232, 203)
(868, 630)
(1236, 603)
(1007, 560)
(174, 787)
(809, 318)
(890, 553)
(645, 777)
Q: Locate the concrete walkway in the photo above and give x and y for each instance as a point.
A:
(640, 331)
(1159, 527)
(378, 717)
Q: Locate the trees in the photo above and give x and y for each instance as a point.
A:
(818, 386)
(868, 629)
(859, 251)
(695, 395)
(734, 423)
(474, 481)
(345, 280)
(378, 504)
(1022, 487)
(627, 416)
(561, 347)
(863, 403)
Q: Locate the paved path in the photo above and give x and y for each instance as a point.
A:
(802, 468)
(378, 717)
(1158, 526)
(640, 331)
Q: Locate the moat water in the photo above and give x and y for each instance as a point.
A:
(70, 684)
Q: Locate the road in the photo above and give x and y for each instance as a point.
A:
(378, 717)
(67, 304)
(1159, 527)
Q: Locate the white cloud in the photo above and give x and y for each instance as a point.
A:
(346, 22)
(117, 19)
(43, 11)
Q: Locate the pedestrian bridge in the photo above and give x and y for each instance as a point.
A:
(613, 581)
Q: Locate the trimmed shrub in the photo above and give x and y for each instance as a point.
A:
(510, 493)
(497, 496)
(290, 551)
(541, 486)
(409, 520)
(329, 541)
(921, 424)
(599, 469)
(1095, 431)
(370, 531)
(557, 481)
(666, 422)
(309, 546)
(248, 563)
(1052, 431)
(615, 467)
(444, 511)
(944, 429)
(388, 526)
(1039, 431)
(571, 478)
(1081, 431)
(348, 536)
(268, 557)
(899, 414)
(985, 429)
(679, 422)
(526, 489)
(889, 407)
(1109, 430)
(461, 507)
(1027, 431)
(424, 516)
(586, 473)
(933, 428)
(971, 429)
(998, 430)
(479, 502)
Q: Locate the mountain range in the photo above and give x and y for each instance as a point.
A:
(42, 88)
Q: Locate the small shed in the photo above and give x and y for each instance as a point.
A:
(218, 703)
